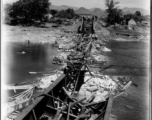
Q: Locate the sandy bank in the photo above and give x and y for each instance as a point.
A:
(33, 34)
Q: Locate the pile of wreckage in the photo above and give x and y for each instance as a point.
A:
(75, 92)
(71, 46)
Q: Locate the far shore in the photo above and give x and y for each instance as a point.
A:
(130, 39)
(32, 34)
(48, 34)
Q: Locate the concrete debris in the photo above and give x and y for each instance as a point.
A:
(46, 81)
(100, 87)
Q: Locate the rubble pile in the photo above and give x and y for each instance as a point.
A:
(98, 89)
(46, 81)
(61, 58)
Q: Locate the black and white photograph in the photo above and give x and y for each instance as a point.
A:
(75, 60)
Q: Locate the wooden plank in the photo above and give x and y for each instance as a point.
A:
(109, 108)
(19, 87)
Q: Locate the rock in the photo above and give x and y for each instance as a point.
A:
(129, 107)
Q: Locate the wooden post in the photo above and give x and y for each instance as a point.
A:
(35, 118)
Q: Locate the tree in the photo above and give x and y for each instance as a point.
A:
(53, 12)
(68, 13)
(61, 14)
(137, 13)
(138, 17)
(114, 14)
(111, 5)
(118, 16)
(27, 11)
(128, 17)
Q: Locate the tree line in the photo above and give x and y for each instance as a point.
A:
(26, 12)
(115, 15)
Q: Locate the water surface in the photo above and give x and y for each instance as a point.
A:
(128, 58)
(131, 59)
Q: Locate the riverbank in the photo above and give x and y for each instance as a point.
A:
(47, 34)
(111, 34)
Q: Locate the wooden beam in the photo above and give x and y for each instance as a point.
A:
(109, 108)
(29, 109)
(34, 114)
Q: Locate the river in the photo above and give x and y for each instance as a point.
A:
(131, 59)
(128, 58)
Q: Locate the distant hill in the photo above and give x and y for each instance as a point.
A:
(62, 7)
(98, 12)
(133, 10)
(94, 11)
(83, 10)
(127, 12)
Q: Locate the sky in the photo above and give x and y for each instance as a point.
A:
(145, 4)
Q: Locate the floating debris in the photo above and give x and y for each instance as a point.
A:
(23, 52)
(134, 84)
(129, 107)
